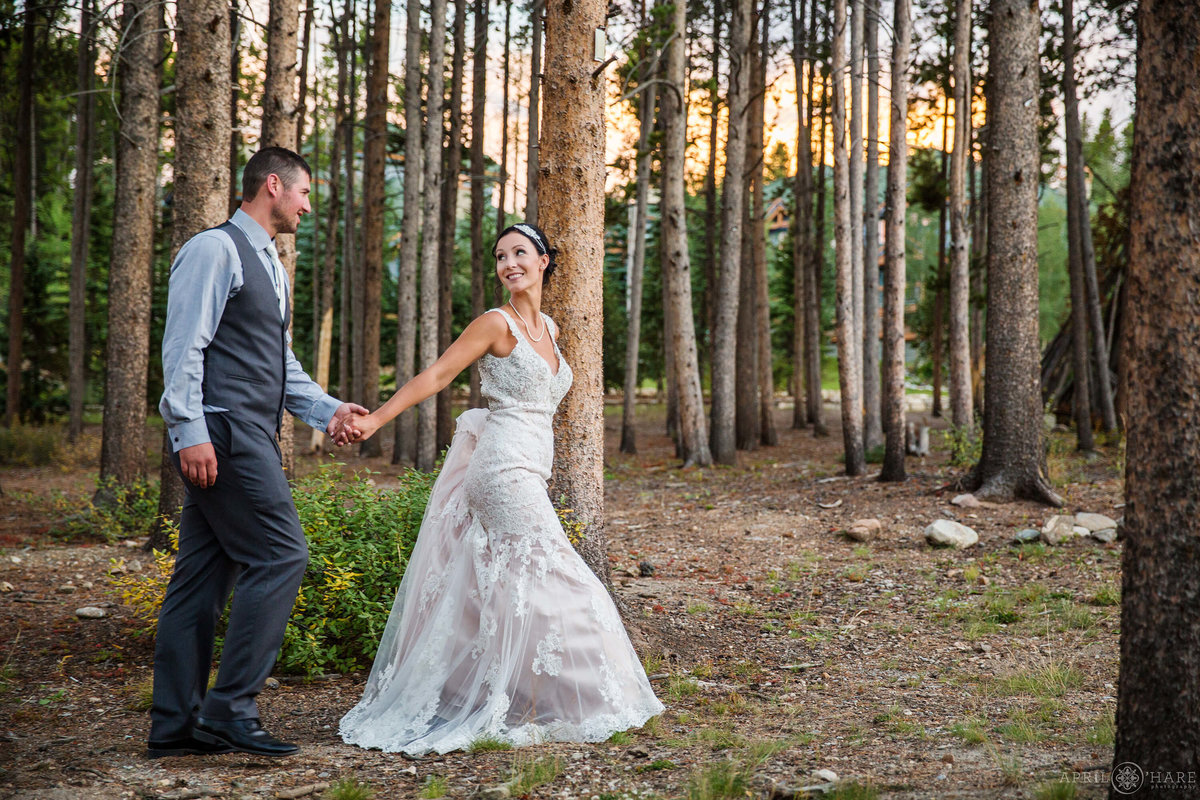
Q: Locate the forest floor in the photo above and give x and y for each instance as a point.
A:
(779, 646)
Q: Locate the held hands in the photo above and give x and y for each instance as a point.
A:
(346, 422)
(358, 429)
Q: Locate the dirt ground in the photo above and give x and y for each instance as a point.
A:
(779, 645)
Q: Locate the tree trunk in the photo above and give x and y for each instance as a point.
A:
(633, 327)
(749, 428)
(857, 8)
(962, 406)
(536, 23)
(431, 220)
(81, 218)
(123, 444)
(302, 97)
(374, 194)
(478, 106)
(801, 215)
(279, 129)
(1077, 210)
(711, 235)
(405, 448)
(572, 213)
(1012, 460)
(938, 335)
(848, 335)
(235, 91)
(1158, 702)
(894, 255)
(202, 129)
(729, 277)
(812, 330)
(351, 323)
(22, 214)
(813, 336)
(1082, 391)
(449, 213)
(872, 410)
(768, 434)
(341, 48)
(677, 279)
(501, 217)
(979, 205)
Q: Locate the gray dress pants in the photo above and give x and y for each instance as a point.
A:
(241, 534)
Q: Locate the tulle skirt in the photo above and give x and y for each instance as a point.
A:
(499, 629)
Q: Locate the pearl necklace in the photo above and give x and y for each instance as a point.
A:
(528, 332)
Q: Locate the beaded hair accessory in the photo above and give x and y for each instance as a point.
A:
(533, 235)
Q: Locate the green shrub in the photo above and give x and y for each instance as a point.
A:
(30, 445)
(116, 512)
(359, 541)
(965, 446)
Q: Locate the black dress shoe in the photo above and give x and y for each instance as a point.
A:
(242, 735)
(187, 746)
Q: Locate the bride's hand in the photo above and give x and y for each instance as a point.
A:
(365, 427)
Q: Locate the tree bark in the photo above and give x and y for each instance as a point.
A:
(341, 48)
(677, 278)
(478, 106)
(405, 448)
(962, 405)
(536, 23)
(235, 92)
(812, 330)
(81, 219)
(941, 279)
(22, 215)
(849, 337)
(202, 129)
(749, 427)
(768, 435)
(1077, 210)
(1082, 392)
(374, 194)
(1012, 461)
(302, 97)
(279, 129)
(123, 442)
(431, 220)
(572, 214)
(711, 232)
(729, 277)
(801, 214)
(895, 265)
(350, 373)
(449, 212)
(857, 8)
(872, 410)
(1158, 702)
(633, 327)
(501, 216)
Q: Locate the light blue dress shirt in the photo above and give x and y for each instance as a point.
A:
(206, 273)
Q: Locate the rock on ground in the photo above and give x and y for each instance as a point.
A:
(947, 533)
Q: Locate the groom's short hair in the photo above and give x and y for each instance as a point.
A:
(272, 161)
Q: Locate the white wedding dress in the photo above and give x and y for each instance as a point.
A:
(499, 628)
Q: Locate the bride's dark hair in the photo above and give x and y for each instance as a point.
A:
(536, 235)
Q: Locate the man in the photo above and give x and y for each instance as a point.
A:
(229, 373)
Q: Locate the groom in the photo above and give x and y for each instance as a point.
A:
(229, 373)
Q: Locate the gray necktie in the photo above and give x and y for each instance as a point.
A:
(277, 277)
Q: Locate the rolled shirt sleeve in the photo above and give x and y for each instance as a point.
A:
(206, 273)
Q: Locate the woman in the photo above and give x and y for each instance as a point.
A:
(499, 629)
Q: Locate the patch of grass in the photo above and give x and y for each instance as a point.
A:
(853, 790)
(1072, 616)
(721, 781)
(1056, 790)
(747, 670)
(488, 744)
(971, 573)
(861, 551)
(1107, 596)
(530, 773)
(621, 737)
(971, 730)
(653, 727)
(757, 753)
(658, 765)
(1011, 769)
(1020, 729)
(745, 608)
(1001, 609)
(856, 573)
(349, 788)
(717, 738)
(703, 671)
(141, 695)
(1103, 730)
(698, 608)
(679, 687)
(653, 664)
(1053, 679)
(435, 786)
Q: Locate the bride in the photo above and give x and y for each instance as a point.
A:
(499, 629)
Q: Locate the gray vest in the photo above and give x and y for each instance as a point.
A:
(245, 364)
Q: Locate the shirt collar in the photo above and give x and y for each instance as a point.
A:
(257, 234)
